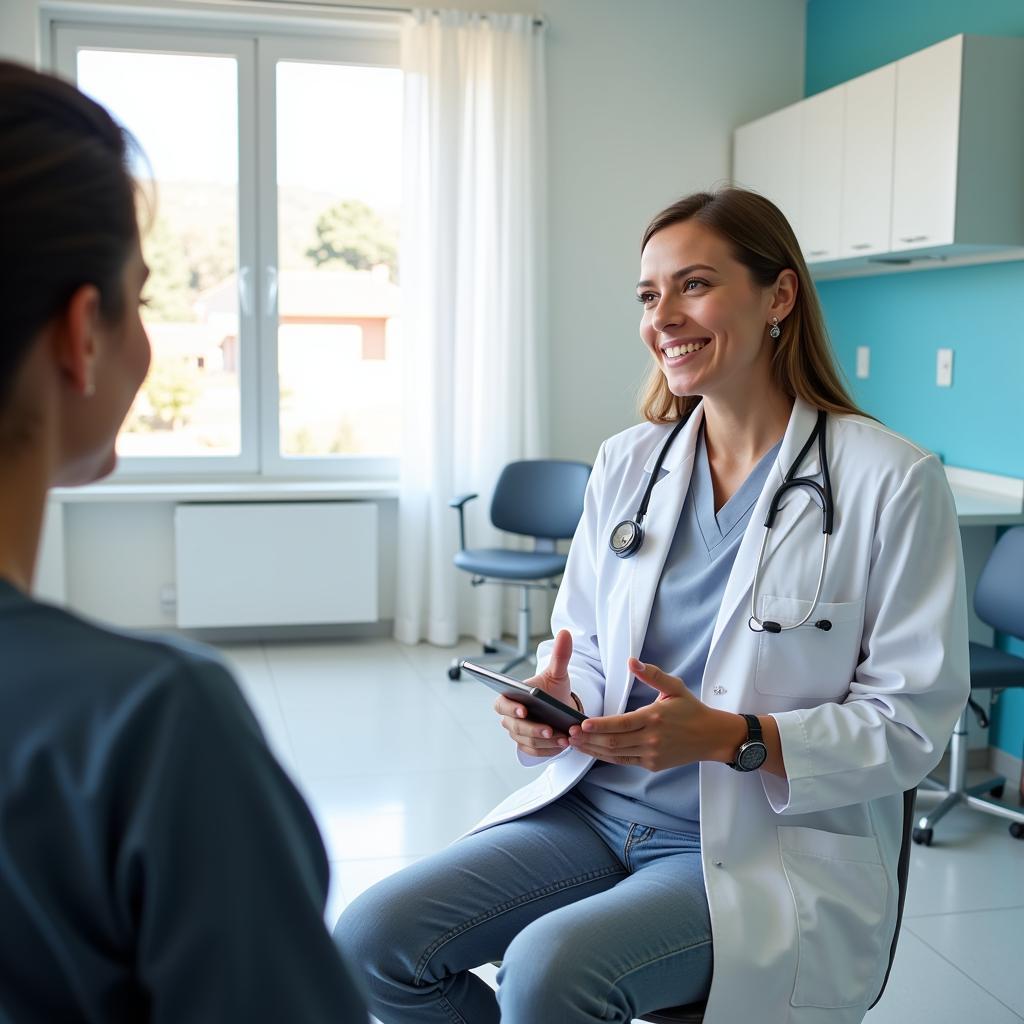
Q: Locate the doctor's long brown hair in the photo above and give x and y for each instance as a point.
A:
(803, 362)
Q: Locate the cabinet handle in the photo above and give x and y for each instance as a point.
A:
(915, 238)
(861, 245)
(817, 252)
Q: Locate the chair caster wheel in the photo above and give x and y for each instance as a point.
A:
(488, 649)
(454, 672)
(1017, 830)
(997, 793)
(922, 836)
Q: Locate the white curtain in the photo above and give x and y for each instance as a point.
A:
(472, 271)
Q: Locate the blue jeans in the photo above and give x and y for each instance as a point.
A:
(595, 919)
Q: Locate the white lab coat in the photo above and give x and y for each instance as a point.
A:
(800, 873)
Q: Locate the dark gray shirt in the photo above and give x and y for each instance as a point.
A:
(678, 640)
(156, 863)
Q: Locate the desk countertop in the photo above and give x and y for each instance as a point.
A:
(985, 499)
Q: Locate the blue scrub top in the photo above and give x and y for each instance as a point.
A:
(678, 640)
(156, 863)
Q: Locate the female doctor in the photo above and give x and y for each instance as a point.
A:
(727, 822)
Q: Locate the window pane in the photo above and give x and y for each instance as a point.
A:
(183, 110)
(339, 176)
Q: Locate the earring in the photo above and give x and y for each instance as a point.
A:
(775, 330)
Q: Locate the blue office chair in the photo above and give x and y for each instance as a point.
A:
(538, 498)
(999, 602)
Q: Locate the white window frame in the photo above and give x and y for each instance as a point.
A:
(365, 53)
(257, 41)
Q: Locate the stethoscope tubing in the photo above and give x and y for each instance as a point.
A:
(827, 523)
(627, 536)
(759, 625)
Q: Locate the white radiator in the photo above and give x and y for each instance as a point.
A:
(280, 564)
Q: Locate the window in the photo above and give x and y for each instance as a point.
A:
(338, 205)
(271, 177)
(189, 405)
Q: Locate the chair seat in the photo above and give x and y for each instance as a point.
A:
(994, 669)
(692, 1014)
(503, 564)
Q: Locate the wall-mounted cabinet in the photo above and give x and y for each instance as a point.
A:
(926, 146)
(920, 162)
(866, 196)
(769, 151)
(821, 174)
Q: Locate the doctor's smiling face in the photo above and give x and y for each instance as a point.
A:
(705, 318)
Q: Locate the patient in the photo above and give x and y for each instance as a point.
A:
(156, 864)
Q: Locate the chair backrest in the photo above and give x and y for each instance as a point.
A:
(902, 871)
(999, 595)
(540, 498)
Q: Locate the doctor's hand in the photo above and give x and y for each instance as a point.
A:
(536, 738)
(676, 729)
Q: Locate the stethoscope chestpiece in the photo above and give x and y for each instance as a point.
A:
(626, 538)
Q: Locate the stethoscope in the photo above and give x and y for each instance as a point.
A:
(628, 536)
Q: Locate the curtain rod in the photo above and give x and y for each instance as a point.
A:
(312, 5)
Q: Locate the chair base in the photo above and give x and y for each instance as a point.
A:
(501, 656)
(958, 792)
(971, 796)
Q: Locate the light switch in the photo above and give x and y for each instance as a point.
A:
(944, 368)
(863, 362)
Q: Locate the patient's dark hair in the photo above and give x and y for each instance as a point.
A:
(67, 207)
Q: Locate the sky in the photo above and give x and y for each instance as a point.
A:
(338, 126)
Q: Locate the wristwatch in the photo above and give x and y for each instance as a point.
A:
(753, 752)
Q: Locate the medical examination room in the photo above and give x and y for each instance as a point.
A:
(511, 512)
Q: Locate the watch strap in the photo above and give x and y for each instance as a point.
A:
(754, 735)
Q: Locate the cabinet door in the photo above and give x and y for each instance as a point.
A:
(766, 159)
(926, 146)
(821, 174)
(867, 163)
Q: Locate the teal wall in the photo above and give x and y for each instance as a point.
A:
(977, 311)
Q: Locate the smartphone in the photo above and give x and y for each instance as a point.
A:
(540, 705)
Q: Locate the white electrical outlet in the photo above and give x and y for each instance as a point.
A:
(944, 368)
(863, 362)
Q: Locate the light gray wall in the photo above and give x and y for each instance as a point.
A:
(19, 30)
(643, 99)
(643, 96)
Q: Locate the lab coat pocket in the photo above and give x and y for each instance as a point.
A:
(840, 894)
(807, 661)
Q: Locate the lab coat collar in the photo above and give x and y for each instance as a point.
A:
(801, 423)
(683, 447)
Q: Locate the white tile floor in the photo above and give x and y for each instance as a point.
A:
(369, 728)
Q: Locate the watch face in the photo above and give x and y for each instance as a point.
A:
(751, 756)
